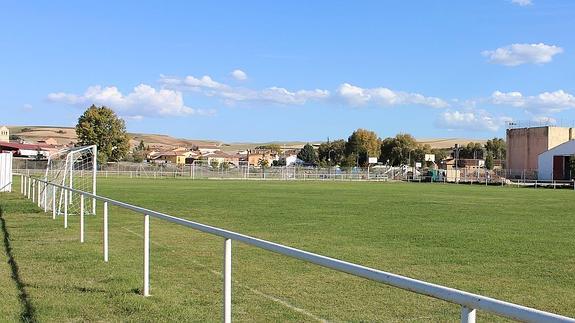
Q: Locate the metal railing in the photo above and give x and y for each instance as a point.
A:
(469, 302)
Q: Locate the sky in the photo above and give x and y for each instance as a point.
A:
(291, 70)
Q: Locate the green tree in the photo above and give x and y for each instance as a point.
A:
(101, 127)
(473, 150)
(215, 164)
(272, 147)
(440, 154)
(331, 153)
(141, 146)
(307, 154)
(400, 149)
(263, 163)
(363, 144)
(497, 147)
(489, 161)
(138, 155)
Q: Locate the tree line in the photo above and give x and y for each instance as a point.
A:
(402, 149)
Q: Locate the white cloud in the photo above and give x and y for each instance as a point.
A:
(544, 120)
(522, 3)
(380, 96)
(547, 102)
(239, 75)
(144, 100)
(517, 54)
(477, 120)
(207, 86)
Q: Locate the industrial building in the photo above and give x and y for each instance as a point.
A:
(524, 145)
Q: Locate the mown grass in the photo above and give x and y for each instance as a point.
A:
(512, 244)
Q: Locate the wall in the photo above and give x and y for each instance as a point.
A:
(5, 172)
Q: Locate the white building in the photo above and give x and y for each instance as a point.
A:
(4, 134)
(553, 164)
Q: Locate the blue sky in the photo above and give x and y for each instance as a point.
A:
(303, 70)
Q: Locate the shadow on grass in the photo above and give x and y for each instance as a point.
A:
(28, 312)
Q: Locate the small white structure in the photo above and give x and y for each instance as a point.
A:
(554, 163)
(4, 134)
(5, 172)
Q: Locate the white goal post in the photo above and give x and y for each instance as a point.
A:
(73, 167)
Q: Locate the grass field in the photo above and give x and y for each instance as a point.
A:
(512, 244)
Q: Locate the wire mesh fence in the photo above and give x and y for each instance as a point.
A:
(523, 177)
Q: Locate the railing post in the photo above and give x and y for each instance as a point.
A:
(45, 198)
(39, 194)
(228, 280)
(106, 231)
(53, 202)
(81, 218)
(65, 208)
(467, 314)
(146, 255)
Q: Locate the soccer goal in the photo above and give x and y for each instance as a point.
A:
(76, 168)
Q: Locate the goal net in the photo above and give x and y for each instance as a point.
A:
(76, 168)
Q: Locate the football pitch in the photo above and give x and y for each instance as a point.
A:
(514, 244)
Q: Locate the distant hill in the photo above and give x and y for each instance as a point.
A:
(66, 135)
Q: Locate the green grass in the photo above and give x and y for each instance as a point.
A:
(512, 244)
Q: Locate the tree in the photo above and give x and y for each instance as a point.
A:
(307, 154)
(363, 144)
(473, 150)
(141, 146)
(263, 163)
(497, 147)
(215, 164)
(272, 147)
(400, 149)
(138, 155)
(440, 154)
(101, 127)
(331, 153)
(489, 161)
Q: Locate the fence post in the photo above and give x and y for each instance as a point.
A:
(45, 198)
(53, 202)
(228, 280)
(33, 190)
(106, 231)
(21, 184)
(81, 218)
(468, 315)
(146, 255)
(38, 194)
(65, 208)
(29, 182)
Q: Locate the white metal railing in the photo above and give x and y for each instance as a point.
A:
(469, 302)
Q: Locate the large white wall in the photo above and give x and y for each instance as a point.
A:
(5, 172)
(545, 159)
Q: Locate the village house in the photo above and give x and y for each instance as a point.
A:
(256, 156)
